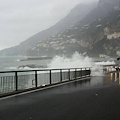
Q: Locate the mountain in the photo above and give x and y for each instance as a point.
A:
(76, 14)
(103, 8)
(97, 34)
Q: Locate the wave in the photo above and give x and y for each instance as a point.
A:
(79, 61)
(76, 61)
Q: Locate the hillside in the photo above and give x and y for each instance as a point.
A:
(95, 35)
(76, 14)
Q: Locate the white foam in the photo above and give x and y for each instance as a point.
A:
(11, 68)
(97, 70)
(105, 63)
(76, 61)
(17, 60)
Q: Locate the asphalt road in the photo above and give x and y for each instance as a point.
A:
(96, 98)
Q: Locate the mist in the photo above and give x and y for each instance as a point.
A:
(22, 19)
(76, 61)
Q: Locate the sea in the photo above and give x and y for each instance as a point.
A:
(11, 63)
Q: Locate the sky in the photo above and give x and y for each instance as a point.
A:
(20, 19)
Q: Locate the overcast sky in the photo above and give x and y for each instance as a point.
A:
(20, 19)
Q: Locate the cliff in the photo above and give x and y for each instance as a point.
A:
(97, 33)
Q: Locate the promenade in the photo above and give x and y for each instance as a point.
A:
(93, 98)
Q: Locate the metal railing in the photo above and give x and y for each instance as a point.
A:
(11, 81)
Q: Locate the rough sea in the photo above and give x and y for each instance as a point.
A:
(9, 63)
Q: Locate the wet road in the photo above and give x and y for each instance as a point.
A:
(96, 98)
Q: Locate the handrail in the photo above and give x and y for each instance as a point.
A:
(40, 70)
(10, 83)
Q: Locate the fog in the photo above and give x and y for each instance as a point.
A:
(20, 19)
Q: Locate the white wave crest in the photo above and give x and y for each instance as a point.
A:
(76, 61)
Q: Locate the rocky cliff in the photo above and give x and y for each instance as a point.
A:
(96, 34)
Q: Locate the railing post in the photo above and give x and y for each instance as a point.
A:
(85, 72)
(60, 75)
(16, 81)
(81, 72)
(50, 78)
(75, 74)
(36, 84)
(69, 74)
(89, 71)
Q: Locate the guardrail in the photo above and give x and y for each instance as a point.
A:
(11, 81)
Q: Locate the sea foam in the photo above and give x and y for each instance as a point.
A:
(79, 61)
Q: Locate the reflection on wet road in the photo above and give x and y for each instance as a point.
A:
(99, 81)
(113, 78)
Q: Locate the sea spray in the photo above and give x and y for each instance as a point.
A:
(76, 61)
(97, 70)
(105, 63)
